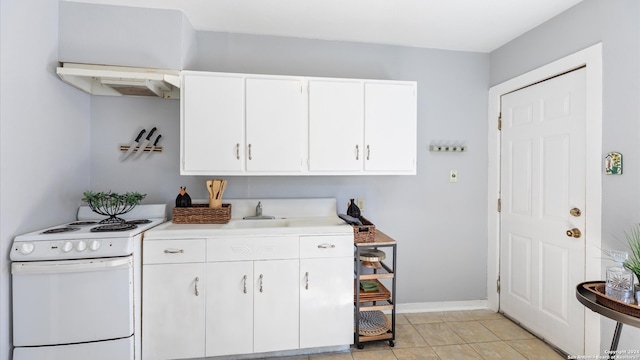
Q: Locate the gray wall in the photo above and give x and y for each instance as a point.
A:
(44, 135)
(124, 35)
(437, 224)
(615, 23)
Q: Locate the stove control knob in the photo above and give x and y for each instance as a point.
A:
(81, 245)
(68, 245)
(95, 245)
(26, 248)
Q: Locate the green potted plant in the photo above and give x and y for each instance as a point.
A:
(112, 204)
(633, 262)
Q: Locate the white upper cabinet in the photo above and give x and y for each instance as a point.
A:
(212, 123)
(362, 127)
(239, 124)
(336, 120)
(390, 127)
(275, 118)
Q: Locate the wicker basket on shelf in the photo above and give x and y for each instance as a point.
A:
(202, 214)
(364, 233)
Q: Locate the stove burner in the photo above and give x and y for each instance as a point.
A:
(114, 227)
(79, 223)
(60, 230)
(136, 222)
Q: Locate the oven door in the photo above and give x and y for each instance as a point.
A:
(72, 301)
(120, 349)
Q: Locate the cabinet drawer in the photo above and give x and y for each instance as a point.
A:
(260, 248)
(326, 246)
(173, 251)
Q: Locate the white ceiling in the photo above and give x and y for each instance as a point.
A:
(465, 25)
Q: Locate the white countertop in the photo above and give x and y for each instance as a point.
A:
(240, 228)
(292, 217)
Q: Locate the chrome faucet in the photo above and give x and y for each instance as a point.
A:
(258, 215)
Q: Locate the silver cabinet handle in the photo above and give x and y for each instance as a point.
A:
(260, 282)
(326, 246)
(357, 152)
(245, 283)
(238, 151)
(196, 286)
(368, 152)
(306, 285)
(249, 151)
(173, 251)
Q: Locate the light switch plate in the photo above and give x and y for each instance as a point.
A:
(453, 176)
(360, 203)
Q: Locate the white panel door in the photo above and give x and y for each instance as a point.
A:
(276, 305)
(390, 127)
(336, 132)
(212, 123)
(229, 308)
(275, 118)
(542, 179)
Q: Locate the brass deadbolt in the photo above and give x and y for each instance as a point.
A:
(575, 233)
(575, 212)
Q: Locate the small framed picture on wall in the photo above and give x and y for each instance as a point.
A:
(613, 163)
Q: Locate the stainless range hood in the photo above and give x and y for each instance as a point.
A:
(119, 80)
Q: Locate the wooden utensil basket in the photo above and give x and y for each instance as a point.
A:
(364, 233)
(202, 214)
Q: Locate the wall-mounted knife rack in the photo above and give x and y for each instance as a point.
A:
(125, 148)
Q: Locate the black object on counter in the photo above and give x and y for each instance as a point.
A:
(183, 199)
(353, 210)
(350, 219)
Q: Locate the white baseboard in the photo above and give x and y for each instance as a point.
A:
(442, 306)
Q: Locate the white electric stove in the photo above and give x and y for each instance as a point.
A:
(76, 287)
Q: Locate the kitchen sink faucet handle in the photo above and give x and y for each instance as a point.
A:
(259, 209)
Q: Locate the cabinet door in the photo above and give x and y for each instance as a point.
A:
(173, 311)
(230, 308)
(276, 305)
(390, 127)
(336, 133)
(326, 302)
(212, 124)
(275, 118)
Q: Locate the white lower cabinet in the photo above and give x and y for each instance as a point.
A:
(173, 300)
(252, 307)
(227, 296)
(229, 325)
(326, 291)
(275, 305)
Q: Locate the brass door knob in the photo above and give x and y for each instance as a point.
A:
(575, 212)
(575, 233)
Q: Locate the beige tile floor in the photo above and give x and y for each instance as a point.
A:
(459, 335)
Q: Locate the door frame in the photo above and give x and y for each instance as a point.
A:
(590, 57)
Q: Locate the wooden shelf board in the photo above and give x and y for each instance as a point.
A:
(376, 307)
(384, 336)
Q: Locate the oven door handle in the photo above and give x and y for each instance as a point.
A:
(70, 266)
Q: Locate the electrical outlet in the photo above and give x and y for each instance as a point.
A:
(453, 176)
(360, 204)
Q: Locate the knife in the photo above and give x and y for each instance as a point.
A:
(133, 144)
(145, 143)
(154, 145)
